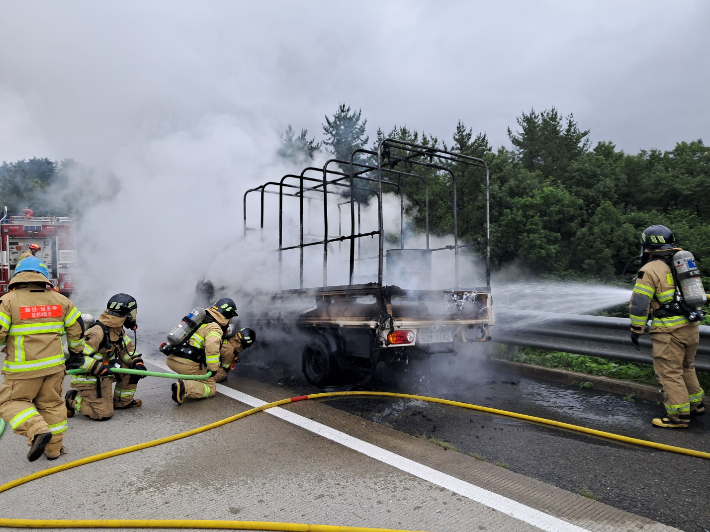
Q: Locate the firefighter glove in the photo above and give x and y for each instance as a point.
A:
(99, 369)
(137, 363)
(635, 340)
(75, 360)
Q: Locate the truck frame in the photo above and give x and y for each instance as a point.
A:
(349, 328)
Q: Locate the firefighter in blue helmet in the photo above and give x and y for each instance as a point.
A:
(33, 317)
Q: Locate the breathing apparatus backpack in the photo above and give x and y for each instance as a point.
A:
(178, 338)
(689, 294)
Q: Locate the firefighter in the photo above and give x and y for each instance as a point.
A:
(33, 316)
(674, 337)
(31, 252)
(108, 342)
(202, 353)
(234, 343)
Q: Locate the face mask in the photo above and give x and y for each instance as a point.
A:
(130, 322)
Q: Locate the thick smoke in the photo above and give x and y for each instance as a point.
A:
(172, 111)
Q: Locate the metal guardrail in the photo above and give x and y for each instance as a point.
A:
(585, 335)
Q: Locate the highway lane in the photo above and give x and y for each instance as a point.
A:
(662, 486)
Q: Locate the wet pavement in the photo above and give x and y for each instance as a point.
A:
(353, 461)
(662, 486)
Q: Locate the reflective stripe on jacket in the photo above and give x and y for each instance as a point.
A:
(32, 321)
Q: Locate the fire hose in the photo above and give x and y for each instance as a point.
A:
(254, 525)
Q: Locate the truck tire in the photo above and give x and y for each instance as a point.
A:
(319, 365)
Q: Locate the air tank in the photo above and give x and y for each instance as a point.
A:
(187, 326)
(688, 277)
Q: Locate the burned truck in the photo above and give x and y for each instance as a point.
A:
(358, 281)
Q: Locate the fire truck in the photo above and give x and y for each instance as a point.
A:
(55, 237)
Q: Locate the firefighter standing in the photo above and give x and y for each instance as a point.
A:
(33, 316)
(675, 338)
(108, 343)
(202, 351)
(31, 252)
(234, 343)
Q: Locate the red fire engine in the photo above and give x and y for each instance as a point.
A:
(54, 236)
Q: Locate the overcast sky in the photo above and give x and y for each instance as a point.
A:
(181, 101)
(83, 79)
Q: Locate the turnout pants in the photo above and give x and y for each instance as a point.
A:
(124, 391)
(193, 389)
(90, 404)
(34, 406)
(673, 361)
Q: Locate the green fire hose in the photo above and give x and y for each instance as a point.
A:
(137, 372)
(151, 374)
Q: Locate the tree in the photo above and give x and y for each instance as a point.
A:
(345, 132)
(23, 182)
(545, 144)
(297, 149)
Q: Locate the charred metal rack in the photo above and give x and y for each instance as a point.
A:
(382, 171)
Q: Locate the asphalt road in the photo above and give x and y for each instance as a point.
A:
(666, 487)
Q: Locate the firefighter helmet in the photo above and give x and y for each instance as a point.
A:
(226, 307)
(247, 337)
(34, 247)
(657, 238)
(121, 305)
(32, 264)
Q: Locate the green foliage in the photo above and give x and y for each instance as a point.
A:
(345, 132)
(297, 149)
(631, 371)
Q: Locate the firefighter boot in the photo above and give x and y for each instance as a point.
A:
(178, 392)
(697, 409)
(133, 404)
(70, 402)
(680, 422)
(39, 442)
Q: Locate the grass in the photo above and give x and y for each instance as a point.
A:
(478, 456)
(441, 443)
(630, 371)
(584, 492)
(504, 465)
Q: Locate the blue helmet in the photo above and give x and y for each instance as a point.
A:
(32, 264)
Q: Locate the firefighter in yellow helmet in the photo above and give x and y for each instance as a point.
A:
(108, 343)
(202, 353)
(235, 341)
(674, 331)
(31, 252)
(33, 317)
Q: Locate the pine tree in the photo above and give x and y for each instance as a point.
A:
(297, 149)
(345, 132)
(545, 144)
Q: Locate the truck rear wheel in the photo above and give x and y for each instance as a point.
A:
(319, 365)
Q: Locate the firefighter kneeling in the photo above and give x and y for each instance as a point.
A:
(235, 341)
(676, 317)
(33, 317)
(199, 352)
(107, 344)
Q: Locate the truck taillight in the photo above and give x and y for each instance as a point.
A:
(400, 337)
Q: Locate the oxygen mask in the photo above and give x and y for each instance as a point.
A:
(130, 322)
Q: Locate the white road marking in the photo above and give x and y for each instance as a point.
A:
(502, 504)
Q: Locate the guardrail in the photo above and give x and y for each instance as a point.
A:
(585, 335)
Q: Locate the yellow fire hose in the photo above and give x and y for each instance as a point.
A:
(258, 525)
